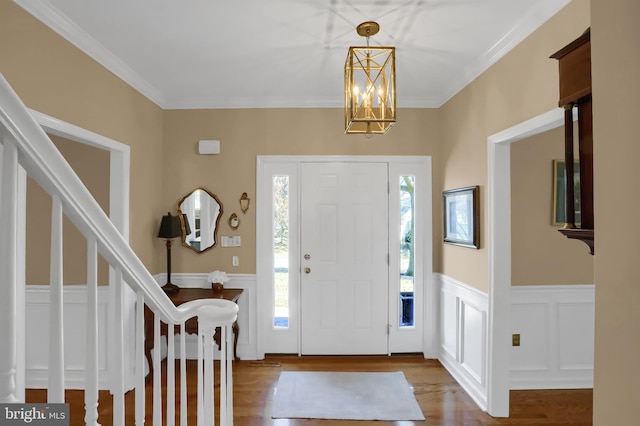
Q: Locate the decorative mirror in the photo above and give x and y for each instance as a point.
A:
(234, 222)
(202, 211)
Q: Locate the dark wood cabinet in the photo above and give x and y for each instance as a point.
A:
(574, 62)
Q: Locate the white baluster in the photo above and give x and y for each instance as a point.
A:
(157, 389)
(140, 360)
(200, 376)
(209, 400)
(171, 376)
(91, 381)
(21, 288)
(8, 277)
(229, 373)
(117, 385)
(183, 376)
(55, 392)
(223, 375)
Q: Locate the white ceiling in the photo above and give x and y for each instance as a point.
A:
(288, 53)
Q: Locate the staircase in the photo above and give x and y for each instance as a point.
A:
(26, 150)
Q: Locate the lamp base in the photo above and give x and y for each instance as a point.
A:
(170, 288)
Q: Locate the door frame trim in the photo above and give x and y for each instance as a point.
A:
(499, 244)
(264, 165)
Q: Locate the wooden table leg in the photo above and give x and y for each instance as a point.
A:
(236, 332)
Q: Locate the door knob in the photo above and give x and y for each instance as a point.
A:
(307, 270)
(307, 256)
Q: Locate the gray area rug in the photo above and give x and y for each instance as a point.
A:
(345, 396)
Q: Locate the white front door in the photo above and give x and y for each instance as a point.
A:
(344, 264)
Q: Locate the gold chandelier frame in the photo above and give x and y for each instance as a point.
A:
(370, 86)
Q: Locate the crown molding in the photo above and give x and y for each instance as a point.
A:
(52, 18)
(540, 12)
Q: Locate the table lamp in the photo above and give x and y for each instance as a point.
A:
(170, 227)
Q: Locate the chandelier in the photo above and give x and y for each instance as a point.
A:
(369, 86)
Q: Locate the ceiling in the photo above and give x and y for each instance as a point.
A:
(288, 53)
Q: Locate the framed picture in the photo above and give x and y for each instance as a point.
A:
(461, 223)
(559, 213)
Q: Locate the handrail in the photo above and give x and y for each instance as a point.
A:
(25, 143)
(46, 165)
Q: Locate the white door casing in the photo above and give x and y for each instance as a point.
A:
(344, 241)
(119, 186)
(423, 337)
(499, 243)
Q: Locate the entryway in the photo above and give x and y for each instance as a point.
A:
(344, 255)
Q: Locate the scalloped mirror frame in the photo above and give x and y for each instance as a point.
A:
(196, 223)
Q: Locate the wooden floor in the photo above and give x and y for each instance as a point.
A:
(442, 400)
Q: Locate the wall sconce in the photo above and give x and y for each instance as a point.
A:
(244, 202)
(234, 222)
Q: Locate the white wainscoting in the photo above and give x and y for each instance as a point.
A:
(37, 336)
(247, 340)
(463, 335)
(75, 299)
(556, 327)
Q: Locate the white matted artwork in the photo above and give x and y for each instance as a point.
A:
(461, 221)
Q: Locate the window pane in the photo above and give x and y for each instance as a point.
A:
(281, 251)
(407, 252)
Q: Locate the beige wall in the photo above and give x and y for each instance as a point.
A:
(540, 255)
(52, 76)
(615, 37)
(91, 165)
(245, 134)
(520, 86)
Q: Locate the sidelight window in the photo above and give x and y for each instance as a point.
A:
(407, 251)
(280, 222)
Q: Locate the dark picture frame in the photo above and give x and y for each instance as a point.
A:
(559, 212)
(461, 217)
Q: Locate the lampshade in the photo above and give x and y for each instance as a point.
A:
(369, 86)
(170, 227)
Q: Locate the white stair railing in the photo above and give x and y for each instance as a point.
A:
(25, 146)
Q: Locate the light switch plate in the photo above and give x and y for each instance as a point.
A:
(227, 241)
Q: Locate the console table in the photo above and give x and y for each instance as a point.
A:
(191, 325)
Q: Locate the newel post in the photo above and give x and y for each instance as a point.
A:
(216, 313)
